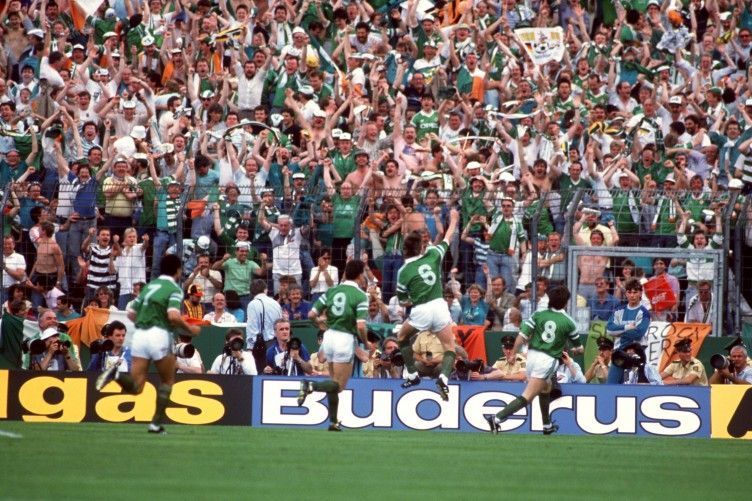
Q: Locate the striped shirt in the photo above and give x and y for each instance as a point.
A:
(481, 251)
(99, 268)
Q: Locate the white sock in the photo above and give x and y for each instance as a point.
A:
(443, 378)
(412, 375)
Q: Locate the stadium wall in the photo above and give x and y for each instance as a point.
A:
(697, 412)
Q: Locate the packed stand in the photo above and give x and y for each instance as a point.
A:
(271, 142)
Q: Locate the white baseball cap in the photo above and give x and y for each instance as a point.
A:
(48, 333)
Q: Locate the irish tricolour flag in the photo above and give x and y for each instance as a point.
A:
(13, 330)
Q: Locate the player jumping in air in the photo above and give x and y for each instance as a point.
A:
(419, 283)
(546, 333)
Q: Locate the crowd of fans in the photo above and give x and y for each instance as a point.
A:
(276, 140)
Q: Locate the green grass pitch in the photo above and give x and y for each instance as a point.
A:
(105, 461)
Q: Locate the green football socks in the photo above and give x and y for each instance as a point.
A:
(406, 347)
(327, 386)
(512, 407)
(163, 398)
(332, 394)
(544, 400)
(126, 382)
(447, 363)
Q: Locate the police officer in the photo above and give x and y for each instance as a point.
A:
(510, 367)
(687, 370)
(598, 370)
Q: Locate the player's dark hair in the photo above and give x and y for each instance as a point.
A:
(170, 265)
(354, 269)
(558, 297)
(413, 244)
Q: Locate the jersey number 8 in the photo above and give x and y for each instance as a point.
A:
(549, 331)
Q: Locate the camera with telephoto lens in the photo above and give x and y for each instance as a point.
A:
(720, 361)
(629, 361)
(470, 365)
(233, 345)
(61, 344)
(624, 360)
(101, 345)
(33, 346)
(395, 357)
(184, 350)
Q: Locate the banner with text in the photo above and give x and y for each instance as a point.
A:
(542, 44)
(67, 397)
(659, 340)
(583, 409)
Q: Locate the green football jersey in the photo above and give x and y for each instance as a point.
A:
(344, 304)
(152, 304)
(548, 331)
(419, 279)
(426, 123)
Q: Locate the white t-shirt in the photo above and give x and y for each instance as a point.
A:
(223, 364)
(322, 286)
(13, 262)
(131, 268)
(194, 361)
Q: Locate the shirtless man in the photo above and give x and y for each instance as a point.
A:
(408, 152)
(591, 267)
(363, 171)
(389, 183)
(15, 37)
(48, 268)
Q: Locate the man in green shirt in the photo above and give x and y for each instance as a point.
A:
(426, 121)
(346, 308)
(156, 313)
(240, 271)
(546, 334)
(419, 283)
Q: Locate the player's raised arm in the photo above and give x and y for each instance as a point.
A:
(454, 218)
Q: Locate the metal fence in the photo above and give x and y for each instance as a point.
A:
(541, 213)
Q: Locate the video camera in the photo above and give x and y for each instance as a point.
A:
(233, 345)
(101, 345)
(720, 361)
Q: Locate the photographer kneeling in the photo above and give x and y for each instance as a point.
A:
(632, 360)
(234, 360)
(469, 370)
(732, 369)
(56, 354)
(387, 362)
(287, 356)
(110, 349)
